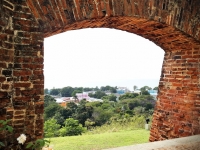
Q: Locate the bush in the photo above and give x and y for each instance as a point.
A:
(72, 127)
(51, 128)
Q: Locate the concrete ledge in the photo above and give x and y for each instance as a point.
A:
(189, 143)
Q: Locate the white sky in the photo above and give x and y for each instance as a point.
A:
(100, 57)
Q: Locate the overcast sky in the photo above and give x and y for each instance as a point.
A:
(100, 57)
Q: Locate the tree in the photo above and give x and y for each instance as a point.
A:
(83, 112)
(128, 96)
(46, 91)
(50, 110)
(113, 90)
(54, 91)
(110, 98)
(101, 116)
(139, 110)
(51, 128)
(76, 91)
(48, 100)
(97, 94)
(72, 127)
(155, 88)
(67, 91)
(108, 88)
(144, 88)
(133, 104)
(89, 123)
(135, 87)
(145, 93)
(59, 117)
(72, 106)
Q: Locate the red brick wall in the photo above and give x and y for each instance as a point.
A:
(173, 25)
(21, 71)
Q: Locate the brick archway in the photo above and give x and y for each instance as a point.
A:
(172, 25)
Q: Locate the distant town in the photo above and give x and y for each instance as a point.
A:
(88, 94)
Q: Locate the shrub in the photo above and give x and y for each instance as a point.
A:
(51, 128)
(72, 127)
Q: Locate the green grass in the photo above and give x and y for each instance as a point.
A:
(101, 141)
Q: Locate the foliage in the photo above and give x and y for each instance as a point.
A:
(50, 110)
(51, 128)
(89, 123)
(135, 87)
(101, 116)
(109, 89)
(128, 95)
(94, 114)
(155, 88)
(72, 127)
(145, 88)
(76, 91)
(38, 144)
(48, 100)
(4, 127)
(86, 89)
(145, 93)
(83, 112)
(67, 91)
(46, 91)
(110, 98)
(54, 91)
(60, 118)
(97, 94)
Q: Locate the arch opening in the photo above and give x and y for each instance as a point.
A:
(101, 55)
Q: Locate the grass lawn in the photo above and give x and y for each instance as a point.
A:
(101, 141)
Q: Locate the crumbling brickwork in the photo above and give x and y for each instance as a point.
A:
(174, 25)
(21, 71)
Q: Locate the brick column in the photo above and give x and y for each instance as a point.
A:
(177, 112)
(21, 71)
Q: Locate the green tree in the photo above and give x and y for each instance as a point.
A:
(139, 110)
(54, 91)
(135, 87)
(89, 123)
(51, 128)
(46, 91)
(128, 96)
(101, 116)
(144, 88)
(72, 106)
(155, 88)
(74, 93)
(67, 91)
(97, 94)
(83, 112)
(48, 100)
(60, 118)
(72, 127)
(110, 98)
(145, 93)
(108, 88)
(50, 110)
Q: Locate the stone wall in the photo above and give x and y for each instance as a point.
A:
(174, 25)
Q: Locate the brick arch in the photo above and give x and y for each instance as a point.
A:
(172, 25)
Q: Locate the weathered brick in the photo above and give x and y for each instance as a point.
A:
(16, 85)
(5, 86)
(3, 94)
(22, 72)
(2, 79)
